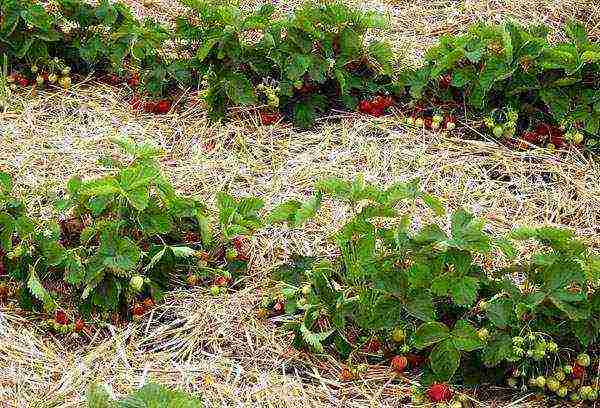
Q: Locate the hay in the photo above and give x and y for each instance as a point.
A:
(216, 346)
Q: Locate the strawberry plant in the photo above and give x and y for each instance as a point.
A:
(121, 240)
(324, 60)
(512, 67)
(150, 395)
(425, 290)
(228, 51)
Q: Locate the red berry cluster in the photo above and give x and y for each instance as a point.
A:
(19, 79)
(161, 107)
(61, 318)
(139, 308)
(377, 106)
(269, 118)
(545, 133)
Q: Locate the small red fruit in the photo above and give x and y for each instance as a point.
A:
(428, 123)
(279, 307)
(148, 303)
(149, 107)
(531, 137)
(373, 345)
(346, 374)
(23, 82)
(399, 364)
(135, 103)
(377, 112)
(578, 372)
(267, 118)
(79, 325)
(61, 317)
(221, 281)
(162, 107)
(439, 392)
(137, 309)
(133, 80)
(365, 106)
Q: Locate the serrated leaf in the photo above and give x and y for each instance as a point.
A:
(430, 333)
(314, 340)
(444, 359)
(39, 292)
(465, 337)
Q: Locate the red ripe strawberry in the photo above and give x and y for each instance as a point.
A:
(133, 80)
(23, 82)
(267, 118)
(221, 281)
(346, 374)
(365, 106)
(137, 309)
(578, 372)
(542, 129)
(149, 107)
(135, 103)
(428, 123)
(439, 392)
(379, 102)
(445, 81)
(531, 137)
(279, 307)
(399, 364)
(45, 76)
(61, 317)
(373, 345)
(162, 107)
(148, 303)
(79, 325)
(377, 112)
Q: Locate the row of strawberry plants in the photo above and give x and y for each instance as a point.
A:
(428, 295)
(118, 242)
(314, 60)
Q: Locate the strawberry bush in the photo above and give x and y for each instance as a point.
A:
(121, 240)
(412, 293)
(551, 88)
(528, 91)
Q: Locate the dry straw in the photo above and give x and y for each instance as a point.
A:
(216, 346)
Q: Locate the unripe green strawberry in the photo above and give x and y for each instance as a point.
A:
(552, 384)
(583, 360)
(435, 125)
(540, 381)
(483, 305)
(231, 255)
(562, 392)
(398, 335)
(552, 347)
(560, 375)
(578, 137)
(483, 334)
(419, 122)
(437, 119)
(215, 290)
(450, 126)
(39, 80)
(456, 404)
(568, 369)
(586, 392)
(498, 131)
(136, 282)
